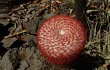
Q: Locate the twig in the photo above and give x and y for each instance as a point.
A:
(11, 35)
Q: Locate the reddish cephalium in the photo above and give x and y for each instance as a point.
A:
(61, 39)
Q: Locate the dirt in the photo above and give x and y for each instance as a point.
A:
(18, 27)
(19, 21)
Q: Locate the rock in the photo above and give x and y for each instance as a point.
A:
(23, 65)
(48, 15)
(27, 57)
(10, 60)
(8, 42)
(32, 58)
(32, 25)
(5, 63)
(28, 37)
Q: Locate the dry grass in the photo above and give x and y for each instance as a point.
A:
(98, 43)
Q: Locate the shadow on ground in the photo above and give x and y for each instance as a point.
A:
(3, 32)
(87, 62)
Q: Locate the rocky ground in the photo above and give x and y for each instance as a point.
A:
(18, 27)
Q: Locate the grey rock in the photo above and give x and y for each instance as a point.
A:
(28, 37)
(31, 26)
(8, 42)
(5, 63)
(23, 65)
(49, 15)
(32, 57)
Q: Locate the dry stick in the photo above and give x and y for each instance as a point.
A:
(11, 35)
(23, 31)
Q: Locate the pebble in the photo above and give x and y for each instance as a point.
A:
(5, 63)
(49, 15)
(28, 37)
(23, 65)
(32, 25)
(30, 59)
(8, 42)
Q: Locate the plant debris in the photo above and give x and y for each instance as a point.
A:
(19, 21)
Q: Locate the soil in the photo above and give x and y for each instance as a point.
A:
(19, 21)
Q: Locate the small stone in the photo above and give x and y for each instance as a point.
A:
(32, 57)
(5, 63)
(23, 65)
(49, 15)
(8, 42)
(32, 25)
